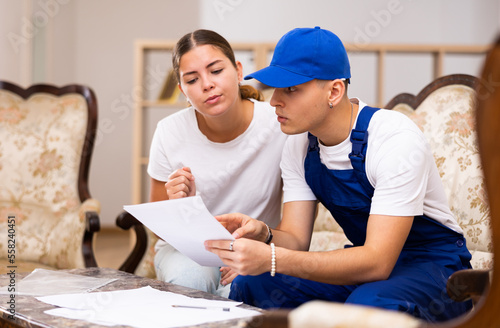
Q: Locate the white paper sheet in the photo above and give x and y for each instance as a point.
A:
(143, 307)
(185, 224)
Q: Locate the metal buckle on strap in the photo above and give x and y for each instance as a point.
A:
(358, 139)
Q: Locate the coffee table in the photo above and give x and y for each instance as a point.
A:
(30, 311)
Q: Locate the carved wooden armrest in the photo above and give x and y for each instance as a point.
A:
(468, 284)
(89, 212)
(92, 224)
(126, 221)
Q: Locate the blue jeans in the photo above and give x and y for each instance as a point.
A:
(174, 267)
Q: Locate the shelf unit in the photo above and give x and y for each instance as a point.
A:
(438, 53)
(258, 56)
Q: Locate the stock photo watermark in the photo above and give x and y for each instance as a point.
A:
(123, 105)
(95, 305)
(222, 7)
(11, 266)
(30, 27)
(487, 86)
(381, 19)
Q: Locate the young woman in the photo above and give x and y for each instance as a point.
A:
(226, 148)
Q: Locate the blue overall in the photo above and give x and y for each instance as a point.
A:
(417, 284)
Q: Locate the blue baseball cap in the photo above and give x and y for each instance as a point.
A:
(302, 55)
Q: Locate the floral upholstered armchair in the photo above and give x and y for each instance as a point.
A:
(47, 216)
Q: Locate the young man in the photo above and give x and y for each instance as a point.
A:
(373, 170)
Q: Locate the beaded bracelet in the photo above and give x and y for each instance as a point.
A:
(273, 260)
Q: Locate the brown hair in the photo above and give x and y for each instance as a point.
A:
(207, 37)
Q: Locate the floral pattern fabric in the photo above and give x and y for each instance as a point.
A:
(41, 139)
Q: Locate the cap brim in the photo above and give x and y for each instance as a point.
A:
(277, 77)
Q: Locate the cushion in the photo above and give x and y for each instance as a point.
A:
(321, 314)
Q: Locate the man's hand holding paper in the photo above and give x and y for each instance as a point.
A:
(184, 223)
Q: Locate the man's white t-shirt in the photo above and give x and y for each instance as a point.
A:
(242, 175)
(399, 165)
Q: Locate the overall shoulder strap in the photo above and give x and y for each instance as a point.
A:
(313, 142)
(359, 140)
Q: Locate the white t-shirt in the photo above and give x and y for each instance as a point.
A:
(399, 165)
(242, 175)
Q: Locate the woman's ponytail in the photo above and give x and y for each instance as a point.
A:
(247, 91)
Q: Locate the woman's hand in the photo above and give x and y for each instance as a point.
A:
(248, 257)
(180, 184)
(227, 275)
(241, 225)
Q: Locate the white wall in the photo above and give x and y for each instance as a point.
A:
(424, 21)
(91, 42)
(104, 34)
(16, 36)
(362, 22)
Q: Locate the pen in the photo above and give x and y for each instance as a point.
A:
(226, 309)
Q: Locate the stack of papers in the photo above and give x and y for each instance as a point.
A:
(143, 307)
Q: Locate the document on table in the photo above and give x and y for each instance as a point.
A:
(184, 223)
(143, 307)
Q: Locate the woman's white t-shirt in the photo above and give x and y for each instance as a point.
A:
(242, 175)
(399, 165)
